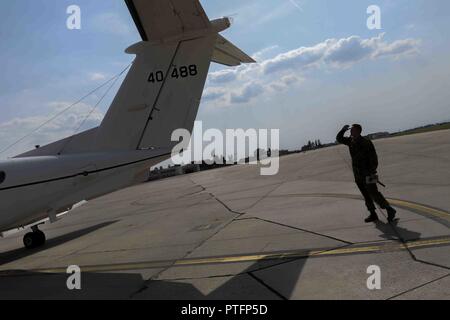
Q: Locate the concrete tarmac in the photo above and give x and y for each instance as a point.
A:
(234, 234)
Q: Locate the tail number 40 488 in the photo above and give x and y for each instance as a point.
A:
(177, 72)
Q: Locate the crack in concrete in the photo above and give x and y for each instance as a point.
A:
(225, 206)
(409, 250)
(269, 221)
(260, 281)
(300, 229)
(145, 286)
(418, 287)
(251, 273)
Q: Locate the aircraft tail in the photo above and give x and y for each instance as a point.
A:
(163, 88)
(161, 93)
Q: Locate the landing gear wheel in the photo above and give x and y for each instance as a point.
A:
(28, 240)
(34, 239)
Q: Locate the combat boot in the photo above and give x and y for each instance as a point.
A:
(372, 218)
(391, 214)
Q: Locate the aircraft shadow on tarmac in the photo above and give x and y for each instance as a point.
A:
(13, 255)
(25, 285)
(244, 286)
(124, 285)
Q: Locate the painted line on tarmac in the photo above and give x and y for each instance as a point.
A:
(408, 205)
(385, 247)
(421, 208)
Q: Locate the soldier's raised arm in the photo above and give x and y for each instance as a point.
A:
(340, 136)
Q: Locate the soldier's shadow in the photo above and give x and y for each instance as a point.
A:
(392, 231)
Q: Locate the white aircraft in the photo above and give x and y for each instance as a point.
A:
(160, 93)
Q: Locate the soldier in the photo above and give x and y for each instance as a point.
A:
(365, 165)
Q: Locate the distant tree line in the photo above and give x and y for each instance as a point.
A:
(312, 145)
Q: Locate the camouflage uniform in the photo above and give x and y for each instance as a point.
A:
(365, 164)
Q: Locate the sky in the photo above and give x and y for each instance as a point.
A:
(318, 67)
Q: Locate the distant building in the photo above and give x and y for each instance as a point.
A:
(172, 171)
(378, 135)
(161, 173)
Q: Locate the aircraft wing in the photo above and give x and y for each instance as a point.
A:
(160, 19)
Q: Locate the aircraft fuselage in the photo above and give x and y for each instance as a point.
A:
(35, 188)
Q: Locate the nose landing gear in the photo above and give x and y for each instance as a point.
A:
(34, 239)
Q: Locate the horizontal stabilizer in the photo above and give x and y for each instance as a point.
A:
(228, 54)
(162, 19)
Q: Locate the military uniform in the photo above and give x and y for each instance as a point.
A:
(365, 164)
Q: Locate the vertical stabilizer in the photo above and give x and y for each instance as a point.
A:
(160, 94)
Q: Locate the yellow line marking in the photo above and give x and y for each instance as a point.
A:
(403, 203)
(251, 258)
(422, 208)
(279, 256)
(425, 243)
(346, 251)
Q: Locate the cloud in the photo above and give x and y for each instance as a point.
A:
(399, 48)
(97, 76)
(249, 91)
(340, 53)
(242, 84)
(223, 76)
(63, 126)
(262, 54)
(298, 58)
(347, 51)
(285, 82)
(212, 93)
